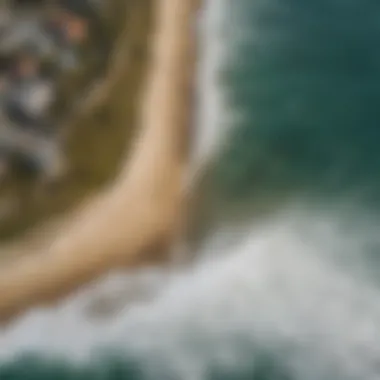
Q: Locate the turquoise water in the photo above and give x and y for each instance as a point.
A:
(289, 105)
(305, 78)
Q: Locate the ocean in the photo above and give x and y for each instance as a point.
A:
(286, 279)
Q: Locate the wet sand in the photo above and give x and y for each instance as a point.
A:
(137, 218)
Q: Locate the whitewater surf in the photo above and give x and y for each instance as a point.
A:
(285, 280)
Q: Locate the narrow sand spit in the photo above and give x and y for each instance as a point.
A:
(142, 210)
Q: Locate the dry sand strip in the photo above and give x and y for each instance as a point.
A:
(143, 208)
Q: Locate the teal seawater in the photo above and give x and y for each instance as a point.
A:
(119, 368)
(305, 77)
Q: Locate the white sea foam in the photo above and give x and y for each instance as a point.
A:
(297, 285)
(280, 288)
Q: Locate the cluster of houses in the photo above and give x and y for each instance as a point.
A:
(40, 42)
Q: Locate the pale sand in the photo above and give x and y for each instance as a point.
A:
(142, 210)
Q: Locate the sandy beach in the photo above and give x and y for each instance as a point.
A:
(139, 216)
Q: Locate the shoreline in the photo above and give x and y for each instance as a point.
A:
(100, 124)
(114, 95)
(142, 211)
